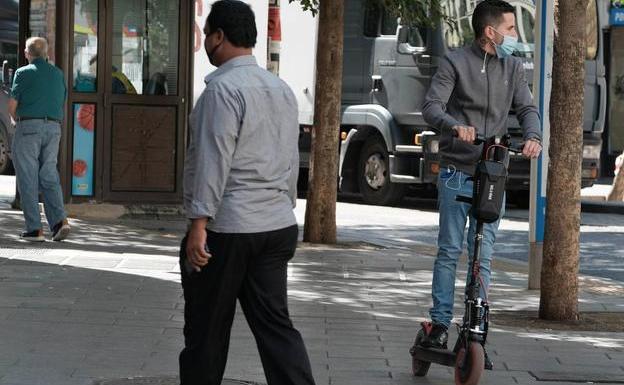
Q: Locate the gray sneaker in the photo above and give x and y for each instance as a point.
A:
(60, 231)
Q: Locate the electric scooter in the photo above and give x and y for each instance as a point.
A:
(468, 355)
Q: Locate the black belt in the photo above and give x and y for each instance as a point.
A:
(22, 118)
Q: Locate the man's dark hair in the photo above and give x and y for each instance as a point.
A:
(236, 20)
(489, 12)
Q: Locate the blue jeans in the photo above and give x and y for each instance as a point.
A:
(453, 218)
(35, 151)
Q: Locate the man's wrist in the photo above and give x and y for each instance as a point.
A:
(198, 223)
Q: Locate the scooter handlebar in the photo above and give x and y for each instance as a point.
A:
(505, 141)
(479, 139)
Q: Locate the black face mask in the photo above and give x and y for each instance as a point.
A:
(214, 49)
(211, 54)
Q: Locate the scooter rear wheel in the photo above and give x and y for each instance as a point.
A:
(419, 368)
(469, 365)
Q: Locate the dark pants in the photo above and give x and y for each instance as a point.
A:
(252, 268)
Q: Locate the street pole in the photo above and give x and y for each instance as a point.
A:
(542, 82)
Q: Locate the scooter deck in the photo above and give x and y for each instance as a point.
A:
(438, 356)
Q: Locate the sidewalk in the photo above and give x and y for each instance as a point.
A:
(594, 199)
(107, 305)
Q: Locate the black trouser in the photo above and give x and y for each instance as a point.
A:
(252, 268)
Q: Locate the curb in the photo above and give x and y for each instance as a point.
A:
(605, 207)
(163, 380)
(108, 211)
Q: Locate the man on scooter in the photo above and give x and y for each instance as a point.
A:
(471, 94)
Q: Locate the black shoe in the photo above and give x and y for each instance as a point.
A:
(33, 236)
(436, 336)
(60, 230)
(488, 364)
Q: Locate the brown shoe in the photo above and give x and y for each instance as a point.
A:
(60, 231)
(33, 236)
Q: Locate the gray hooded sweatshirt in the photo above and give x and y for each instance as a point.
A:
(468, 91)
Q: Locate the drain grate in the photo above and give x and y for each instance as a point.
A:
(579, 377)
(22, 252)
(162, 380)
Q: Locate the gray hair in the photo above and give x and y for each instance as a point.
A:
(37, 47)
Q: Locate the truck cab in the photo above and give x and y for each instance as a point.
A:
(386, 74)
(385, 144)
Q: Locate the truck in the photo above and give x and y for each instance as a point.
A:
(386, 147)
(8, 61)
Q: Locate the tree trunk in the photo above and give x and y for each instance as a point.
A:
(559, 279)
(320, 216)
(617, 191)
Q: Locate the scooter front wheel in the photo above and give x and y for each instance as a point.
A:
(420, 368)
(469, 364)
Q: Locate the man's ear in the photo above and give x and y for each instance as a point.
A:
(221, 35)
(488, 32)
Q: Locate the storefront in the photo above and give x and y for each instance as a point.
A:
(127, 70)
(133, 69)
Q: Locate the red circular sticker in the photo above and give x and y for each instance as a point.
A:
(86, 117)
(79, 168)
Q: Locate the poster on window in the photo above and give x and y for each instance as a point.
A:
(84, 141)
(274, 37)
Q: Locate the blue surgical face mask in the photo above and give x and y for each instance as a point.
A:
(507, 47)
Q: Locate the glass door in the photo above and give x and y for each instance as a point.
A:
(129, 83)
(85, 120)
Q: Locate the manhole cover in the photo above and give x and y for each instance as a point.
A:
(580, 377)
(163, 380)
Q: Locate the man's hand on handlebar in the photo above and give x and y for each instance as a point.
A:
(465, 133)
(532, 149)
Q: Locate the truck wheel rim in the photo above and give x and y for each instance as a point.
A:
(375, 171)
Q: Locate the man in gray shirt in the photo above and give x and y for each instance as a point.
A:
(240, 181)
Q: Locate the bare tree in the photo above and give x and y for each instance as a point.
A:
(320, 216)
(559, 279)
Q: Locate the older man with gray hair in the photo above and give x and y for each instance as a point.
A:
(36, 104)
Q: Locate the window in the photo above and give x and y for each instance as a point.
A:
(372, 15)
(42, 23)
(525, 16)
(8, 52)
(459, 32)
(525, 27)
(8, 33)
(389, 23)
(85, 45)
(145, 47)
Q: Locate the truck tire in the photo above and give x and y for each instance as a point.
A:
(6, 166)
(374, 175)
